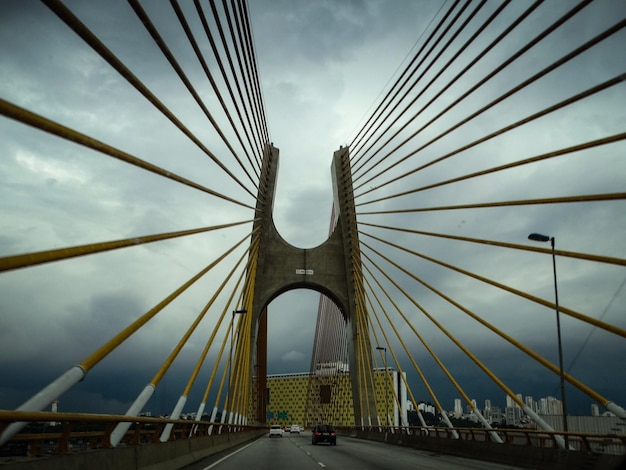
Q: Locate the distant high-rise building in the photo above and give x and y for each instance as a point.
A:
(550, 406)
(510, 402)
(513, 415)
(496, 415)
(471, 407)
(595, 410)
(426, 408)
(530, 403)
(54, 409)
(556, 406)
(458, 408)
(487, 410)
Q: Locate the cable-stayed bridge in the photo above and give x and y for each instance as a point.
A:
(139, 190)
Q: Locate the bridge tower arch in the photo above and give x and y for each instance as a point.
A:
(332, 268)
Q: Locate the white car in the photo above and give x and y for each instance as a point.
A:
(294, 429)
(276, 431)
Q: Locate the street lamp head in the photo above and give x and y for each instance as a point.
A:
(240, 311)
(538, 237)
(380, 348)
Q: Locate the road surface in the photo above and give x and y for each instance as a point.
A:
(296, 452)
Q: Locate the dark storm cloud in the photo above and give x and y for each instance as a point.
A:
(325, 32)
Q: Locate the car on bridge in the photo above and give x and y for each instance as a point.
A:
(276, 431)
(324, 433)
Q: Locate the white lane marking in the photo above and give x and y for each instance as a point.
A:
(321, 464)
(227, 456)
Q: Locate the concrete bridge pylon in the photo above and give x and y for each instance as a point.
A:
(332, 268)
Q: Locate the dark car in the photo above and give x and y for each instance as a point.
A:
(324, 433)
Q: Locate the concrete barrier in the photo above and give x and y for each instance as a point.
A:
(520, 456)
(158, 456)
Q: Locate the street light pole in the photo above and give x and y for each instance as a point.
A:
(380, 348)
(544, 238)
(230, 355)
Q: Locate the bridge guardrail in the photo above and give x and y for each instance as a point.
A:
(587, 442)
(519, 447)
(49, 433)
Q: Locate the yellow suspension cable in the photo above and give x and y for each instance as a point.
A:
(183, 340)
(362, 368)
(227, 81)
(439, 362)
(90, 38)
(417, 80)
(27, 117)
(460, 345)
(208, 344)
(568, 254)
(507, 166)
(361, 362)
(227, 364)
(224, 379)
(521, 202)
(251, 262)
(387, 374)
(546, 70)
(367, 346)
(229, 401)
(240, 361)
(31, 259)
(196, 370)
(388, 343)
(194, 44)
(591, 393)
(386, 338)
(101, 353)
(397, 333)
(158, 39)
(600, 324)
(241, 387)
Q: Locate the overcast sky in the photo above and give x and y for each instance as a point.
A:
(323, 65)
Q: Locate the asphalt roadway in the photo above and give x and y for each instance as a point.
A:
(296, 452)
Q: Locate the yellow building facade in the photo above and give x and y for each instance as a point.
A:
(306, 399)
